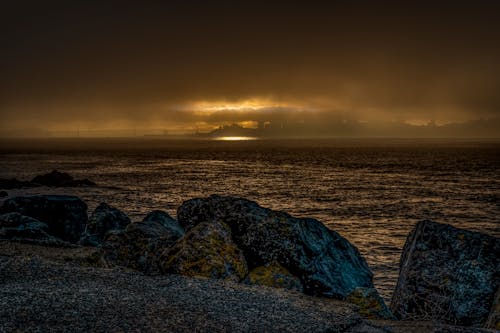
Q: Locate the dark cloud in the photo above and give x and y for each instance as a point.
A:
(113, 62)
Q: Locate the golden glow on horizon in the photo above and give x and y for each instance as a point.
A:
(235, 138)
(248, 105)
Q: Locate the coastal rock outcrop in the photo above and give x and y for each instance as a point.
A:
(65, 216)
(104, 219)
(13, 183)
(138, 245)
(326, 263)
(447, 274)
(206, 250)
(51, 179)
(273, 275)
(60, 179)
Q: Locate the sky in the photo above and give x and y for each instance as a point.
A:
(182, 66)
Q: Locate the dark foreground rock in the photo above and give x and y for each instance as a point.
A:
(105, 218)
(326, 263)
(65, 216)
(140, 244)
(447, 274)
(53, 290)
(60, 179)
(3, 194)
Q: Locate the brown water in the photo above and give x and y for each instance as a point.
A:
(371, 191)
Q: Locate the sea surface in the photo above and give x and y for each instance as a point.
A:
(371, 191)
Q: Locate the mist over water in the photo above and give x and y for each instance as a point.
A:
(370, 191)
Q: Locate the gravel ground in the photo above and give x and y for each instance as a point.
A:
(45, 290)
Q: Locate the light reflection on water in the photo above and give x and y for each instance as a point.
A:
(371, 195)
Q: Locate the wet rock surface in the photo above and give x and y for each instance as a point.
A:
(447, 274)
(326, 263)
(105, 218)
(65, 216)
(206, 250)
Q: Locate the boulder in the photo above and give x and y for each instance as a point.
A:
(17, 227)
(326, 263)
(205, 251)
(370, 304)
(3, 194)
(104, 219)
(65, 216)
(273, 275)
(60, 179)
(447, 274)
(138, 245)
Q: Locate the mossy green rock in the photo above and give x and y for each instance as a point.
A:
(370, 304)
(273, 275)
(205, 251)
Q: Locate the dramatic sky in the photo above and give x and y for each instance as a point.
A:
(182, 65)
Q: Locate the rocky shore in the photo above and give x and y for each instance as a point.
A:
(228, 264)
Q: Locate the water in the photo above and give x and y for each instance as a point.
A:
(370, 191)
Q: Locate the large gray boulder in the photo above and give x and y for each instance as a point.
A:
(326, 263)
(105, 218)
(139, 245)
(65, 216)
(447, 274)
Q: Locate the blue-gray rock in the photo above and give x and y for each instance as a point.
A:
(447, 274)
(65, 216)
(139, 244)
(17, 227)
(326, 263)
(105, 218)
